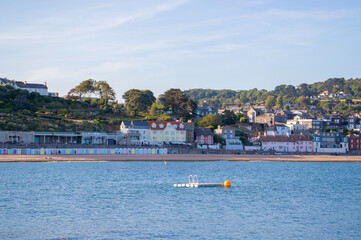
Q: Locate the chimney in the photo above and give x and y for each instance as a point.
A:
(45, 83)
(25, 82)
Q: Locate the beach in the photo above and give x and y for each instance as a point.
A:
(179, 157)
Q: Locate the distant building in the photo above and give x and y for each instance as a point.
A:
(99, 138)
(42, 89)
(355, 143)
(189, 127)
(16, 137)
(136, 132)
(292, 143)
(203, 136)
(330, 142)
(266, 118)
(236, 109)
(278, 130)
(252, 113)
(168, 132)
(202, 111)
(229, 134)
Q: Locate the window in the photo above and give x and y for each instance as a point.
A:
(154, 125)
(166, 133)
(201, 141)
(209, 142)
(155, 131)
(202, 137)
(172, 133)
(161, 125)
(181, 126)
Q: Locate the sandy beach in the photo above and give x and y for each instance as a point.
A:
(179, 157)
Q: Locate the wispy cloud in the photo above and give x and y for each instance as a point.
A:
(225, 47)
(143, 14)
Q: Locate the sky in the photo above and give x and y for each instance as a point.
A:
(163, 44)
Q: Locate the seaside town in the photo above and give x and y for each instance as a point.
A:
(171, 127)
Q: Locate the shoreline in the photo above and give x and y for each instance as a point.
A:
(178, 158)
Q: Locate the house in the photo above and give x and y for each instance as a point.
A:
(324, 94)
(330, 142)
(202, 111)
(189, 127)
(16, 137)
(277, 130)
(136, 132)
(293, 143)
(236, 109)
(266, 119)
(352, 122)
(203, 136)
(42, 89)
(355, 143)
(169, 132)
(295, 126)
(280, 118)
(252, 113)
(229, 134)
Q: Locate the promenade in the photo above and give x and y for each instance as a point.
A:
(179, 157)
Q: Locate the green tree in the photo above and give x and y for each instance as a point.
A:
(85, 87)
(138, 100)
(179, 102)
(211, 121)
(228, 117)
(270, 102)
(165, 117)
(303, 102)
(279, 102)
(286, 107)
(105, 91)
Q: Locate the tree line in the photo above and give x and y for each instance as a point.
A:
(284, 93)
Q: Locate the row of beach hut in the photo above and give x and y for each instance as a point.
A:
(80, 151)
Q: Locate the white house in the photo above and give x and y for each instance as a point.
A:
(137, 132)
(42, 89)
(278, 130)
(292, 143)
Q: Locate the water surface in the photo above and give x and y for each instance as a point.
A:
(137, 200)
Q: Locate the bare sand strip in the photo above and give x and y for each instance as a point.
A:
(178, 157)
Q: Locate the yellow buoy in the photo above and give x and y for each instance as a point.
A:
(227, 183)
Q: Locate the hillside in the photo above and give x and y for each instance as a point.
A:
(290, 93)
(24, 111)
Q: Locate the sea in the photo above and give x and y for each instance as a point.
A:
(137, 200)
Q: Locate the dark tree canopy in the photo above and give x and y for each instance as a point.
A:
(138, 100)
(179, 102)
(228, 117)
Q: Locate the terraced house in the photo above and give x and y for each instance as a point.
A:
(162, 131)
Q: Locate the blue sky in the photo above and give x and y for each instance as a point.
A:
(162, 44)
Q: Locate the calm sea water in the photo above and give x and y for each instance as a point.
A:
(137, 200)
